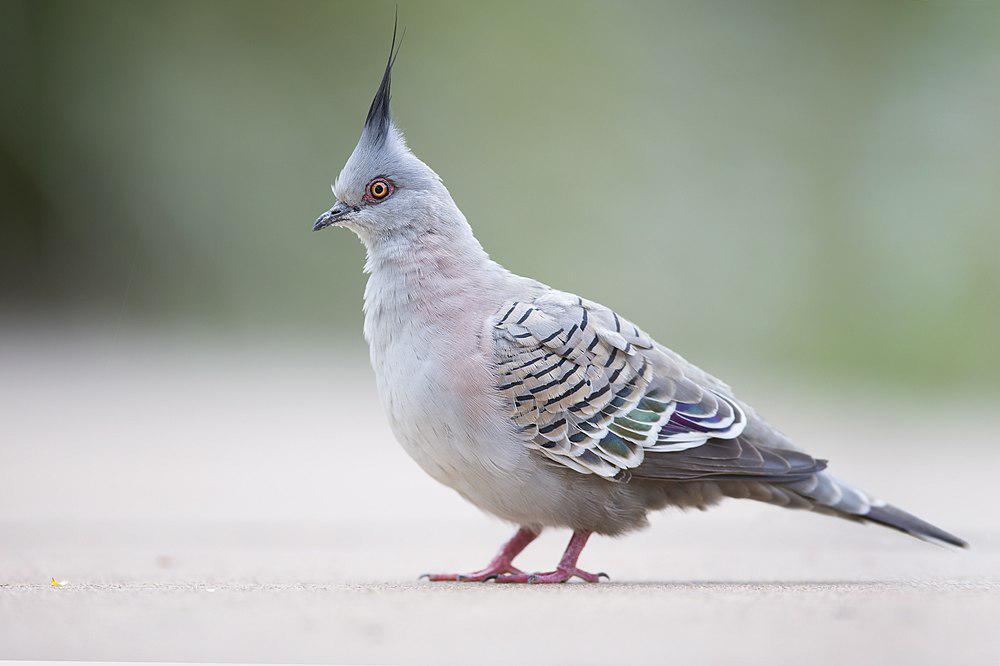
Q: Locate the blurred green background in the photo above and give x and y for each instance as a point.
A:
(800, 186)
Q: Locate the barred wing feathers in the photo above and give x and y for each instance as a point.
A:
(591, 391)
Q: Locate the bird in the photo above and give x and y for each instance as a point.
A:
(538, 406)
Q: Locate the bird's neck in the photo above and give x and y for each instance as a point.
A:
(425, 282)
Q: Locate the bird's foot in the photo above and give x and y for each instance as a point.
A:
(491, 572)
(560, 575)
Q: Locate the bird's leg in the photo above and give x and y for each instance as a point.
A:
(499, 565)
(567, 566)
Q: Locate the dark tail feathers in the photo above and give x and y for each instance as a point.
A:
(898, 519)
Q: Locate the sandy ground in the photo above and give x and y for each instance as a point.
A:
(248, 504)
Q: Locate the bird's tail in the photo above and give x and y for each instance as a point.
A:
(897, 519)
(830, 495)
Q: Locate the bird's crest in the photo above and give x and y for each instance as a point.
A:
(379, 118)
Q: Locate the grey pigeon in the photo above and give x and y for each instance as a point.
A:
(539, 406)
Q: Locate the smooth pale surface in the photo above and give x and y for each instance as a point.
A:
(247, 503)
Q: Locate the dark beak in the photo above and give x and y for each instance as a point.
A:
(334, 215)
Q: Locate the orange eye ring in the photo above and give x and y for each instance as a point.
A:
(379, 189)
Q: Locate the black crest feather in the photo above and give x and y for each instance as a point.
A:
(379, 117)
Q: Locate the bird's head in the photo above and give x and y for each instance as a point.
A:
(384, 189)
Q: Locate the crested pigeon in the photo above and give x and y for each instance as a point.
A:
(538, 406)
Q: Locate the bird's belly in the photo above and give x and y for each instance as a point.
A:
(446, 418)
(493, 470)
(469, 466)
(449, 433)
(428, 436)
(435, 416)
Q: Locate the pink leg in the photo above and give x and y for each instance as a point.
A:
(567, 566)
(501, 564)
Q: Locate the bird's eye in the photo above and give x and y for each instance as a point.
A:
(379, 189)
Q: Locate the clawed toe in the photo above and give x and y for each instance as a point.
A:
(502, 571)
(482, 576)
(550, 577)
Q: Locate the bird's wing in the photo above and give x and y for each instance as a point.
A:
(591, 391)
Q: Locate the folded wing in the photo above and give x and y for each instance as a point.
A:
(592, 392)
